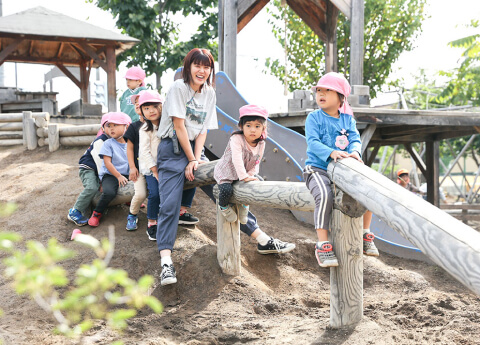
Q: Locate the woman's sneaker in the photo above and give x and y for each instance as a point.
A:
(243, 213)
(325, 255)
(77, 217)
(152, 232)
(275, 246)
(132, 221)
(187, 218)
(369, 247)
(168, 275)
(229, 214)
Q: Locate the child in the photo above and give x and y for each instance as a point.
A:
(89, 165)
(241, 161)
(140, 186)
(189, 112)
(331, 133)
(114, 172)
(135, 84)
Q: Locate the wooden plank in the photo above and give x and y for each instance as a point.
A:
(356, 44)
(460, 207)
(247, 10)
(448, 242)
(4, 54)
(345, 6)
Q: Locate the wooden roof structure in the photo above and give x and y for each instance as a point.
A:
(40, 35)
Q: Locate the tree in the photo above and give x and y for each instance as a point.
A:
(154, 25)
(463, 86)
(390, 28)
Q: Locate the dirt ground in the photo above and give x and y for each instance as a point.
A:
(277, 299)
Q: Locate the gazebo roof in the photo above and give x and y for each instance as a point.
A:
(46, 36)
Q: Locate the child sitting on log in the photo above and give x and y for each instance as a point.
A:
(240, 162)
(89, 165)
(114, 171)
(331, 133)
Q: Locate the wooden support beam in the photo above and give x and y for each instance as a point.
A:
(53, 137)
(111, 68)
(69, 74)
(433, 172)
(367, 134)
(93, 54)
(247, 10)
(228, 245)
(356, 45)
(60, 49)
(416, 157)
(331, 42)
(230, 39)
(316, 24)
(83, 82)
(9, 49)
(30, 49)
(345, 6)
(448, 242)
(221, 34)
(83, 55)
(371, 157)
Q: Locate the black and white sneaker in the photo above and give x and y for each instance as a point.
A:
(275, 246)
(152, 232)
(187, 218)
(168, 275)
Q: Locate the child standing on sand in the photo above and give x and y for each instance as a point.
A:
(331, 133)
(135, 83)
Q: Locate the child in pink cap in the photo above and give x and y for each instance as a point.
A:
(114, 171)
(241, 162)
(135, 83)
(331, 134)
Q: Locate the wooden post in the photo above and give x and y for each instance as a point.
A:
(228, 245)
(221, 38)
(356, 46)
(331, 42)
(432, 152)
(53, 137)
(111, 68)
(25, 115)
(230, 39)
(30, 134)
(83, 81)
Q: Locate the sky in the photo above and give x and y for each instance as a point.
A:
(430, 53)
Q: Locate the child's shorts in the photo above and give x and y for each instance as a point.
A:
(320, 186)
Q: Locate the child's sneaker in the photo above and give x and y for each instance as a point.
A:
(95, 219)
(77, 217)
(132, 221)
(152, 232)
(229, 213)
(243, 213)
(168, 275)
(187, 218)
(369, 247)
(275, 246)
(325, 255)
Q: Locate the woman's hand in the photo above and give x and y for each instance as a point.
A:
(133, 174)
(122, 181)
(190, 169)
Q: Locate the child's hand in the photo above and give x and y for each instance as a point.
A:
(355, 155)
(122, 181)
(250, 178)
(339, 155)
(133, 174)
(155, 173)
(189, 170)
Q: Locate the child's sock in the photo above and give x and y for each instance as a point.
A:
(166, 260)
(183, 211)
(263, 238)
(152, 222)
(366, 230)
(223, 207)
(320, 243)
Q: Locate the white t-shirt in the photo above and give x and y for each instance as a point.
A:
(197, 108)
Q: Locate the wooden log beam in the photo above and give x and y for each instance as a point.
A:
(82, 140)
(11, 142)
(203, 175)
(111, 86)
(71, 131)
(228, 245)
(367, 134)
(416, 157)
(448, 242)
(53, 137)
(12, 126)
(11, 135)
(18, 117)
(93, 54)
(9, 49)
(29, 131)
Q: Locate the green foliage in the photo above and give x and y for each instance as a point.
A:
(152, 22)
(98, 292)
(464, 80)
(390, 28)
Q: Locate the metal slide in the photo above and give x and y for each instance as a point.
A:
(284, 159)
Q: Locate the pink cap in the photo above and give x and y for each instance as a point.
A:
(255, 110)
(136, 73)
(104, 119)
(337, 82)
(118, 118)
(134, 97)
(149, 96)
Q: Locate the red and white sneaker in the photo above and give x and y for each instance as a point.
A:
(325, 255)
(369, 247)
